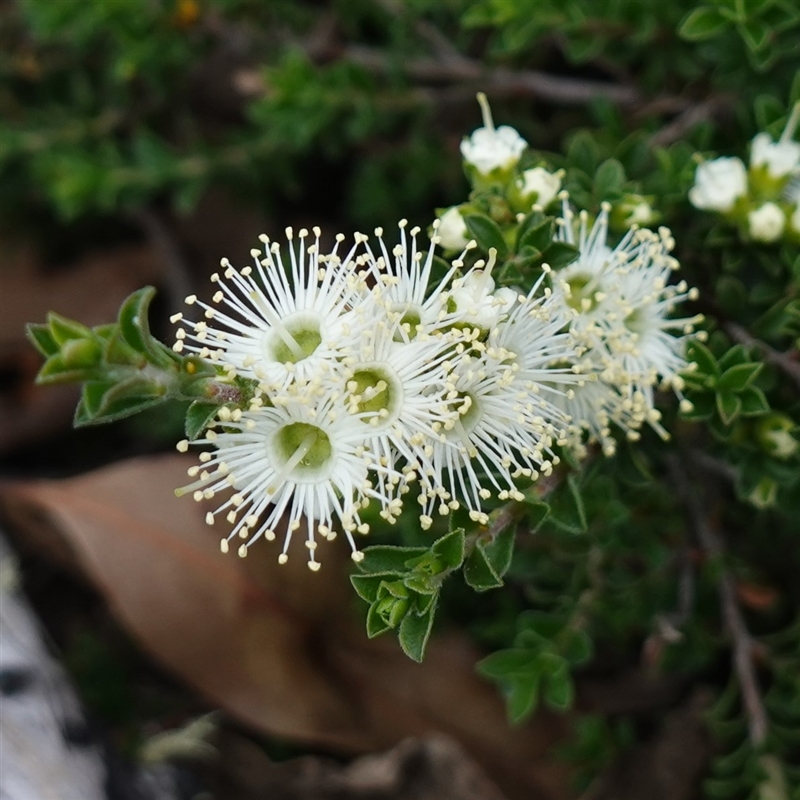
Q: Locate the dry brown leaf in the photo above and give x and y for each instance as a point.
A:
(279, 647)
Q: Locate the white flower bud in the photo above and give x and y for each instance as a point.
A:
(491, 148)
(718, 184)
(766, 222)
(781, 158)
(452, 231)
(545, 185)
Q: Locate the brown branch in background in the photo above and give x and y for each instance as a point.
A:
(688, 118)
(744, 646)
(786, 362)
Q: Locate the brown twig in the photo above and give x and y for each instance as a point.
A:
(743, 644)
(783, 361)
(688, 119)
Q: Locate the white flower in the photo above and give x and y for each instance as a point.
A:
(491, 148)
(277, 322)
(403, 280)
(621, 301)
(474, 300)
(303, 457)
(766, 223)
(396, 390)
(506, 427)
(545, 185)
(452, 232)
(718, 184)
(781, 158)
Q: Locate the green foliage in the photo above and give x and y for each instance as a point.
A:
(123, 368)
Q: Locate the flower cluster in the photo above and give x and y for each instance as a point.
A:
(763, 200)
(368, 376)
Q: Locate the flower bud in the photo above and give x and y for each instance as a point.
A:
(774, 434)
(718, 184)
(633, 209)
(80, 353)
(452, 231)
(764, 494)
(538, 186)
(492, 152)
(766, 223)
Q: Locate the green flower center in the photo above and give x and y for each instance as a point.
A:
(582, 293)
(375, 391)
(304, 448)
(636, 322)
(469, 410)
(293, 339)
(411, 316)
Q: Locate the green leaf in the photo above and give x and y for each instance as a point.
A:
(583, 152)
(738, 378)
(367, 586)
(450, 549)
(385, 559)
(704, 405)
(198, 417)
(522, 698)
(487, 233)
(728, 406)
(536, 512)
(63, 329)
(704, 22)
(575, 646)
(754, 402)
(135, 328)
(54, 370)
(479, 572)
(559, 690)
(756, 34)
(415, 630)
(376, 624)
(536, 232)
(514, 662)
(560, 254)
(566, 507)
(609, 179)
(40, 337)
(703, 357)
(735, 355)
(500, 550)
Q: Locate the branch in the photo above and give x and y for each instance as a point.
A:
(783, 361)
(743, 643)
(688, 119)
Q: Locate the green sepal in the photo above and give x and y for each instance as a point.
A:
(486, 233)
(376, 624)
(41, 338)
(415, 630)
(198, 417)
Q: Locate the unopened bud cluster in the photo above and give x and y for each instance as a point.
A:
(762, 199)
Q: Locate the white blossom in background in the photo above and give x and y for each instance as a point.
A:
(781, 158)
(539, 186)
(490, 148)
(620, 301)
(766, 223)
(718, 184)
(453, 233)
